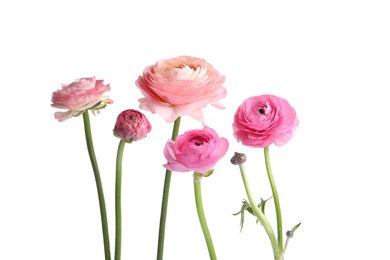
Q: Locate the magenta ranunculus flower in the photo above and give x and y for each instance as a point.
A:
(180, 86)
(195, 150)
(131, 125)
(82, 94)
(262, 120)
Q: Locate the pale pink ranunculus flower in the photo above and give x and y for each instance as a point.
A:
(82, 94)
(131, 125)
(262, 120)
(195, 150)
(180, 86)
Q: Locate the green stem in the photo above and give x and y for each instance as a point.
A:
(202, 219)
(118, 209)
(260, 215)
(164, 203)
(285, 246)
(275, 197)
(99, 186)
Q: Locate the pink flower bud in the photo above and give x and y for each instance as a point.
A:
(131, 125)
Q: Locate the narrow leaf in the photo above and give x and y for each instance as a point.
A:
(262, 204)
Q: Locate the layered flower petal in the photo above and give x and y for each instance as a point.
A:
(131, 125)
(195, 150)
(82, 94)
(180, 86)
(262, 120)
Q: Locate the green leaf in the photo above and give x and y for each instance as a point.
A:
(262, 204)
(296, 227)
(245, 206)
(235, 214)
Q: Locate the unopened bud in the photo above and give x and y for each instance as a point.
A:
(238, 159)
(131, 125)
(289, 234)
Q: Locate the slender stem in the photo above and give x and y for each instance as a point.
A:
(289, 235)
(99, 186)
(285, 246)
(118, 208)
(275, 197)
(202, 219)
(260, 215)
(164, 203)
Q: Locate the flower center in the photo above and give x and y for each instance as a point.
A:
(185, 72)
(262, 110)
(198, 143)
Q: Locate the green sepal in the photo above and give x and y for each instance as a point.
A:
(208, 173)
(95, 106)
(126, 141)
(79, 113)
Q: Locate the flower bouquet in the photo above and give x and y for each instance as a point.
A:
(175, 88)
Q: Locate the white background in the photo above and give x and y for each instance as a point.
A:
(329, 59)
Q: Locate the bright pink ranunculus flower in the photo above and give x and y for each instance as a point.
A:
(195, 150)
(131, 125)
(82, 94)
(262, 120)
(180, 86)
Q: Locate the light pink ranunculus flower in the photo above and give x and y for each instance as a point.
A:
(262, 120)
(180, 86)
(131, 125)
(82, 94)
(195, 150)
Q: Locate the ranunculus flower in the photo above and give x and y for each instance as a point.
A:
(82, 94)
(131, 125)
(262, 120)
(195, 150)
(180, 86)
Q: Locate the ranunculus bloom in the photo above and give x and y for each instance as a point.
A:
(195, 150)
(180, 86)
(82, 94)
(131, 125)
(262, 120)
